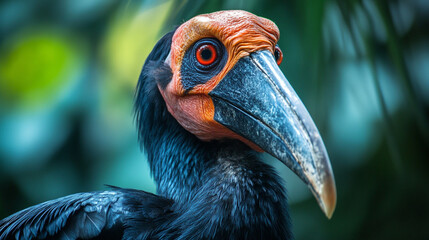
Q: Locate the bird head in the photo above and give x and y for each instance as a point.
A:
(226, 84)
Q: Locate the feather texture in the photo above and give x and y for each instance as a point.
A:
(207, 190)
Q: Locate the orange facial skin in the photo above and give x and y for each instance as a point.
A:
(241, 33)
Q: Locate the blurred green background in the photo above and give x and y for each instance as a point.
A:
(68, 69)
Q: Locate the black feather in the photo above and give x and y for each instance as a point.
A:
(207, 190)
(155, 70)
(85, 216)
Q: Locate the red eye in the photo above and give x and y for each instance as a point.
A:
(278, 55)
(206, 54)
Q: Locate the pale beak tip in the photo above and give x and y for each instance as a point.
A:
(328, 198)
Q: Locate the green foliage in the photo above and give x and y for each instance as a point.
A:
(35, 66)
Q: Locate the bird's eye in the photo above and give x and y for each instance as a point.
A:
(202, 61)
(206, 54)
(278, 55)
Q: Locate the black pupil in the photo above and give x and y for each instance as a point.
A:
(276, 54)
(206, 54)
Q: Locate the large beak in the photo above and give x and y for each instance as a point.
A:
(256, 101)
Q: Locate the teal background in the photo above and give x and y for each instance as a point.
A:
(68, 70)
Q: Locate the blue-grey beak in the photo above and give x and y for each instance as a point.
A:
(256, 101)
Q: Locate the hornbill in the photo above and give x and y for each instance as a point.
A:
(209, 100)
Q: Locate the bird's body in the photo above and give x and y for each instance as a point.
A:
(210, 181)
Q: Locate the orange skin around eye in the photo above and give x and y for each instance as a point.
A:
(241, 33)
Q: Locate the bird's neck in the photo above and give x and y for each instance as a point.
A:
(177, 159)
(213, 178)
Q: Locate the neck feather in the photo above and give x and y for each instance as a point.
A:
(206, 177)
